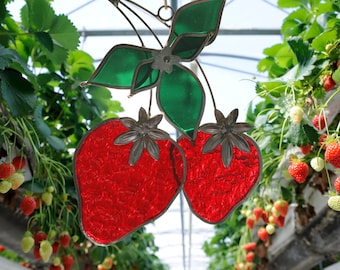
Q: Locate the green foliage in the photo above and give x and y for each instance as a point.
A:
(297, 69)
(45, 112)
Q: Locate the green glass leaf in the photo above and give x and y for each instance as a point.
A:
(17, 92)
(188, 46)
(118, 67)
(181, 97)
(145, 77)
(198, 17)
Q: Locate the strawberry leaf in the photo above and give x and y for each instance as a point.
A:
(40, 14)
(312, 133)
(296, 135)
(45, 39)
(64, 33)
(17, 92)
(304, 56)
(319, 43)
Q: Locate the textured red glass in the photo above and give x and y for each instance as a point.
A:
(213, 190)
(116, 198)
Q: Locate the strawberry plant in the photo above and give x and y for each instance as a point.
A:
(44, 114)
(298, 115)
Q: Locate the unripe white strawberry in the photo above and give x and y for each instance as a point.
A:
(45, 250)
(296, 114)
(50, 189)
(5, 186)
(27, 242)
(17, 179)
(334, 202)
(317, 163)
(47, 198)
(270, 228)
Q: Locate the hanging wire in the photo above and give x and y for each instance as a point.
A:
(149, 12)
(137, 33)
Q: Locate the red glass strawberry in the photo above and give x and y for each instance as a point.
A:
(127, 172)
(223, 165)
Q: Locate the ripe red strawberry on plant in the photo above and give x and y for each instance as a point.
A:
(250, 256)
(262, 234)
(39, 236)
(19, 162)
(64, 239)
(250, 222)
(279, 221)
(55, 247)
(329, 83)
(68, 261)
(6, 170)
(249, 246)
(257, 211)
(322, 140)
(36, 253)
(319, 121)
(2, 248)
(332, 154)
(28, 205)
(281, 206)
(298, 170)
(264, 216)
(56, 267)
(337, 184)
(305, 149)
